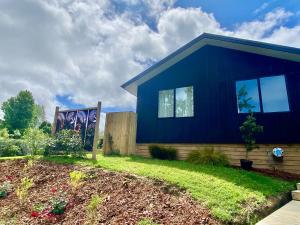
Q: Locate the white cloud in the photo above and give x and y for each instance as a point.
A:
(87, 49)
(260, 28)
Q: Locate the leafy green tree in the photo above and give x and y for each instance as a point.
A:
(19, 111)
(249, 129)
(46, 127)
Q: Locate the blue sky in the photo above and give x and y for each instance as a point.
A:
(232, 12)
(74, 53)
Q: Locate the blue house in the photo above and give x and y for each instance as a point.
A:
(199, 96)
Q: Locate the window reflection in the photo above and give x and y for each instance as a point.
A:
(184, 102)
(247, 96)
(166, 104)
(274, 94)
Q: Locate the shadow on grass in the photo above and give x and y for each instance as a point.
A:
(268, 186)
(250, 180)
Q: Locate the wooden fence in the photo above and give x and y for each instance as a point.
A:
(120, 133)
(262, 157)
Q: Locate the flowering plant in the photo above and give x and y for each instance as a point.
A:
(58, 202)
(6, 187)
(56, 206)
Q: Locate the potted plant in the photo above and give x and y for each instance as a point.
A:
(249, 129)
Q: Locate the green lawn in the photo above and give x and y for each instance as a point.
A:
(225, 191)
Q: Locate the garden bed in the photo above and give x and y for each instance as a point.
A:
(127, 199)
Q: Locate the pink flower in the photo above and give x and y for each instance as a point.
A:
(10, 178)
(34, 214)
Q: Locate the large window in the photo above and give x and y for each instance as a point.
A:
(274, 95)
(166, 104)
(267, 94)
(247, 96)
(184, 104)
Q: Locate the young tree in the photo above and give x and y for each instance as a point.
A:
(249, 129)
(18, 111)
(46, 127)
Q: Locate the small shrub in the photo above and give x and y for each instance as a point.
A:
(36, 140)
(16, 134)
(12, 147)
(28, 166)
(58, 205)
(4, 133)
(165, 153)
(146, 222)
(66, 142)
(76, 179)
(91, 209)
(22, 190)
(5, 188)
(208, 156)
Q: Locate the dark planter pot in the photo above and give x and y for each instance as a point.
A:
(278, 159)
(246, 164)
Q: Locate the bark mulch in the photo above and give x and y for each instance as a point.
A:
(279, 174)
(127, 199)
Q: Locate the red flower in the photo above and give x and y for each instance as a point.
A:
(51, 215)
(53, 190)
(34, 214)
(10, 178)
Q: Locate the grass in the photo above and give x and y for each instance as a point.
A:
(225, 191)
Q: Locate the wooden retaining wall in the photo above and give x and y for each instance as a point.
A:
(121, 126)
(262, 157)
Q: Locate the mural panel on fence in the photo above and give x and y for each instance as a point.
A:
(83, 121)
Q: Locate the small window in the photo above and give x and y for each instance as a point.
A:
(166, 104)
(184, 102)
(247, 96)
(274, 94)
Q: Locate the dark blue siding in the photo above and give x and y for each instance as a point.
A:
(212, 71)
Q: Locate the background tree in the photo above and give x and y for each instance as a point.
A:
(2, 124)
(244, 100)
(19, 111)
(46, 127)
(38, 116)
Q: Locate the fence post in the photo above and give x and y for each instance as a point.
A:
(55, 121)
(96, 134)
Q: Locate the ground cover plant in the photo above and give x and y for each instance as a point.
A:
(106, 197)
(232, 195)
(161, 152)
(208, 156)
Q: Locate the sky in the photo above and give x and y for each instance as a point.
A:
(74, 53)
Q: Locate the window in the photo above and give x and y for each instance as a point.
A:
(166, 104)
(184, 102)
(274, 95)
(267, 95)
(247, 96)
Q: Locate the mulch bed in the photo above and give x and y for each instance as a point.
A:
(279, 174)
(127, 198)
(274, 173)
